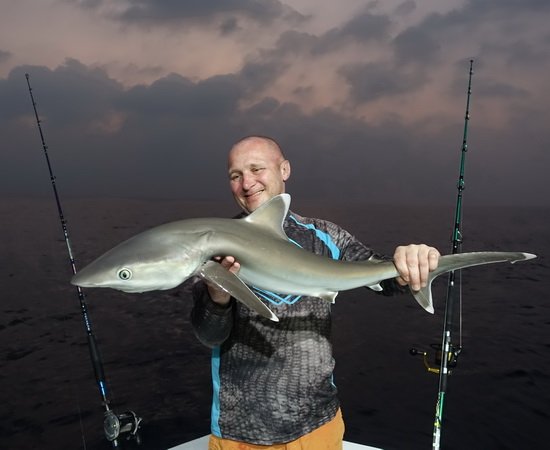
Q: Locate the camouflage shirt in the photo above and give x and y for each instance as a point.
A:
(273, 380)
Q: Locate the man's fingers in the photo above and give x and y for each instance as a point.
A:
(230, 264)
(423, 265)
(414, 267)
(414, 263)
(400, 261)
(433, 259)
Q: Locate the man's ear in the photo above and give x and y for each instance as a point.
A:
(285, 169)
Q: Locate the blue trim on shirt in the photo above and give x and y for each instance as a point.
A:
(322, 236)
(333, 248)
(278, 299)
(215, 413)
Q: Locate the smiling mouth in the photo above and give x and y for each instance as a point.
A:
(254, 194)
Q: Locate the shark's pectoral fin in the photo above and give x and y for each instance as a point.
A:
(229, 282)
(376, 287)
(424, 297)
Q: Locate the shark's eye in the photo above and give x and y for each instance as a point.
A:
(125, 274)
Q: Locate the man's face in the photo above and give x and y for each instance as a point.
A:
(257, 173)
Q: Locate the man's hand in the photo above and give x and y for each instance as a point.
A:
(216, 294)
(414, 263)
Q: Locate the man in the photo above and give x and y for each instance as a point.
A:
(273, 381)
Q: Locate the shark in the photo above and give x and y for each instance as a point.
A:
(165, 256)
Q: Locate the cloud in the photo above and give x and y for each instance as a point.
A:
(375, 100)
(175, 133)
(168, 12)
(179, 97)
(491, 88)
(405, 8)
(369, 82)
(74, 93)
(507, 7)
(4, 55)
(415, 45)
(521, 51)
(364, 27)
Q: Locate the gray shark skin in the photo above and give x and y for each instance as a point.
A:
(165, 256)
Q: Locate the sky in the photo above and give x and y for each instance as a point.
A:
(144, 98)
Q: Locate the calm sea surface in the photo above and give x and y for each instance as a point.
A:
(498, 396)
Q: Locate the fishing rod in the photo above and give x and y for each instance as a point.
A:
(446, 353)
(114, 425)
(450, 352)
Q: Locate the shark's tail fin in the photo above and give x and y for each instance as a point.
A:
(457, 261)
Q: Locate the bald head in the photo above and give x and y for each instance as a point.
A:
(257, 170)
(260, 143)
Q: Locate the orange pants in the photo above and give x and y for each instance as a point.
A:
(327, 437)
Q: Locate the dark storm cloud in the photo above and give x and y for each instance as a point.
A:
(12, 93)
(229, 26)
(405, 8)
(372, 81)
(162, 12)
(507, 6)
(528, 53)
(473, 14)
(74, 93)
(91, 4)
(264, 108)
(422, 43)
(260, 72)
(179, 97)
(417, 46)
(420, 47)
(490, 88)
(72, 100)
(170, 138)
(4, 55)
(168, 134)
(176, 132)
(175, 136)
(521, 52)
(364, 27)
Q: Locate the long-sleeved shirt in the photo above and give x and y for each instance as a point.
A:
(273, 381)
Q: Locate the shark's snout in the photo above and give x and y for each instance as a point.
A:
(82, 280)
(96, 274)
(75, 281)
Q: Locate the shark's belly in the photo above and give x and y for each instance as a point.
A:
(317, 279)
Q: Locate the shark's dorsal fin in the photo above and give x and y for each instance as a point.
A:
(271, 215)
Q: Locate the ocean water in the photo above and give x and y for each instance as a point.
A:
(498, 395)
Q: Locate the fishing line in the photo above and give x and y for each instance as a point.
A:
(115, 425)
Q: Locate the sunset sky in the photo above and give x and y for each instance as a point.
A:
(143, 98)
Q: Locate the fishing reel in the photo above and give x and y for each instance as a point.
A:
(452, 357)
(125, 425)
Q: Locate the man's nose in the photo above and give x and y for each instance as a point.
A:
(248, 181)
